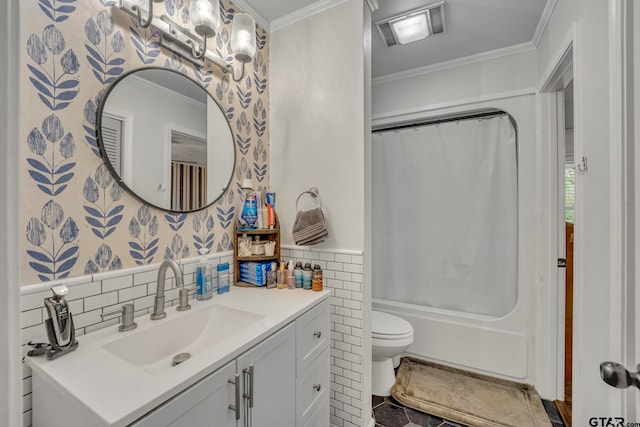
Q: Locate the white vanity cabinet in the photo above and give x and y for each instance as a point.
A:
(279, 368)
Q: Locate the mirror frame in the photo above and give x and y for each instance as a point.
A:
(116, 176)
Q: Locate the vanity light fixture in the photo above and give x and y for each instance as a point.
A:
(411, 26)
(205, 17)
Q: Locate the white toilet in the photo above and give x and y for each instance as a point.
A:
(391, 336)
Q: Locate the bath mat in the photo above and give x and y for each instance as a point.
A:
(467, 398)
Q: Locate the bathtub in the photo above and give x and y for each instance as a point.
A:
(497, 346)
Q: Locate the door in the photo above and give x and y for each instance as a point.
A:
(268, 375)
(204, 404)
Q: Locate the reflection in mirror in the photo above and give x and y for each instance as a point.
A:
(166, 140)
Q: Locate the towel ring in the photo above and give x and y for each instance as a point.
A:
(313, 191)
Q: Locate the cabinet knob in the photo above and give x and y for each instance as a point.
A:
(317, 334)
(317, 387)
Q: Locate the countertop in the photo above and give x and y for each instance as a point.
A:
(113, 392)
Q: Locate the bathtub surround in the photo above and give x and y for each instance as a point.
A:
(74, 219)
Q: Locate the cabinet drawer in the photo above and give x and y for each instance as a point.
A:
(312, 389)
(320, 417)
(312, 335)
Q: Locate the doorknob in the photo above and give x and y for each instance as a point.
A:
(618, 376)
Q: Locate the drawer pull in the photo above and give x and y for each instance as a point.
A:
(317, 334)
(317, 387)
(236, 407)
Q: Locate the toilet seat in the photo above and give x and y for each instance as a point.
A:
(386, 326)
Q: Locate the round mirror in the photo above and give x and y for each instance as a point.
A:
(166, 140)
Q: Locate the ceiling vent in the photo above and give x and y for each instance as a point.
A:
(411, 26)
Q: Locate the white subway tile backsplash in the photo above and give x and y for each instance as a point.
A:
(343, 275)
(31, 317)
(131, 293)
(84, 291)
(99, 301)
(117, 283)
(327, 256)
(343, 258)
(146, 277)
(336, 266)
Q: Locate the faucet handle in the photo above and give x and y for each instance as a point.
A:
(183, 298)
(126, 314)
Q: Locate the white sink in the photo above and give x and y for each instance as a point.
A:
(154, 348)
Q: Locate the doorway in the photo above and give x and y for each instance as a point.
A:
(566, 237)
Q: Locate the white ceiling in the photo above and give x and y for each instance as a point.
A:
(472, 27)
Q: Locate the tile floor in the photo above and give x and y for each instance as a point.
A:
(390, 413)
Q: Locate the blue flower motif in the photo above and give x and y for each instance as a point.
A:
(56, 261)
(36, 142)
(36, 234)
(52, 215)
(69, 231)
(67, 146)
(89, 114)
(51, 173)
(92, 32)
(105, 22)
(52, 128)
(134, 228)
(103, 176)
(106, 66)
(144, 228)
(36, 50)
(53, 39)
(55, 90)
(90, 190)
(69, 62)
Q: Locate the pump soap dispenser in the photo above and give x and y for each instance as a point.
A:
(59, 325)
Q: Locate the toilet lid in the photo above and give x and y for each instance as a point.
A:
(388, 324)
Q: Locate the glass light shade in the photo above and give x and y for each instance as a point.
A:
(411, 28)
(205, 16)
(243, 37)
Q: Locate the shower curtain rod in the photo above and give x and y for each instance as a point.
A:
(441, 120)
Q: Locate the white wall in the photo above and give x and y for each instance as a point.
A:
(10, 404)
(592, 337)
(317, 116)
(501, 75)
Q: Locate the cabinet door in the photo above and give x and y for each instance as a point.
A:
(268, 374)
(205, 404)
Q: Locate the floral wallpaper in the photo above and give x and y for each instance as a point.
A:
(75, 219)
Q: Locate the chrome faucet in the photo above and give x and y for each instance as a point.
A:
(158, 305)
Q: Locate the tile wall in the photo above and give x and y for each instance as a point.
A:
(89, 296)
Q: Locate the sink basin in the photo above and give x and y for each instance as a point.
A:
(154, 348)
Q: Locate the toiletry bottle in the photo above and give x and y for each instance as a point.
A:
(223, 277)
(306, 276)
(297, 273)
(249, 211)
(316, 278)
(204, 290)
(271, 210)
(291, 281)
(282, 277)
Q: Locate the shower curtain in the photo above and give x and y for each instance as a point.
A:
(445, 216)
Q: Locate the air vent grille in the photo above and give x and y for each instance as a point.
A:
(436, 19)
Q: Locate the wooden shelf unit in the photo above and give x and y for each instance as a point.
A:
(265, 235)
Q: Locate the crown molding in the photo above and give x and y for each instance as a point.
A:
(373, 5)
(484, 56)
(544, 21)
(304, 13)
(260, 19)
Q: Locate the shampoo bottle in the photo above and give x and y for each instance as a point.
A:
(203, 277)
(297, 273)
(249, 212)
